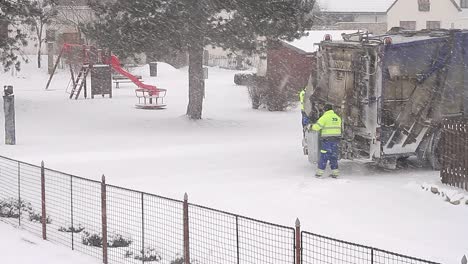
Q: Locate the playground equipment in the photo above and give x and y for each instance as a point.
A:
(92, 60)
(149, 96)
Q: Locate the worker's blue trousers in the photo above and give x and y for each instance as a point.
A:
(305, 119)
(329, 152)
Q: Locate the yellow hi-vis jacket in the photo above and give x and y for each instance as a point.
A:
(301, 98)
(329, 124)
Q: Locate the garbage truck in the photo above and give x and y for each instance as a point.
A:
(392, 92)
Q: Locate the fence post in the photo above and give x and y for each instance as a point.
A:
(186, 231)
(372, 256)
(71, 214)
(104, 219)
(43, 203)
(19, 193)
(298, 241)
(237, 239)
(142, 228)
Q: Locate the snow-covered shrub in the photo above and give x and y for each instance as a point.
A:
(94, 240)
(274, 97)
(147, 255)
(244, 78)
(10, 208)
(71, 229)
(117, 240)
(114, 240)
(37, 217)
(179, 260)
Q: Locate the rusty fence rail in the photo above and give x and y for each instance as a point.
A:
(454, 142)
(119, 225)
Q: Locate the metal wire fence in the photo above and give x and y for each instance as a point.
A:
(119, 225)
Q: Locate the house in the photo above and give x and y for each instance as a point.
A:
(428, 14)
(370, 15)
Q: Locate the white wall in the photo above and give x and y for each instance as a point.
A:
(408, 10)
(369, 18)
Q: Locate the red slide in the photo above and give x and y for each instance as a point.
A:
(115, 63)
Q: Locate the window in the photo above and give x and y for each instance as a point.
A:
(433, 24)
(424, 5)
(408, 25)
(464, 3)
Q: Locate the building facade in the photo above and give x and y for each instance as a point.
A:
(428, 14)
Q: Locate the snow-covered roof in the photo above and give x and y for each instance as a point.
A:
(355, 6)
(316, 36)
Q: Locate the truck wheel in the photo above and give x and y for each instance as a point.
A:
(434, 151)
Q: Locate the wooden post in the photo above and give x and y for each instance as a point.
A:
(186, 231)
(50, 57)
(298, 242)
(43, 203)
(104, 219)
(9, 110)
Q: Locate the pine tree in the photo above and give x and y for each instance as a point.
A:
(12, 38)
(128, 27)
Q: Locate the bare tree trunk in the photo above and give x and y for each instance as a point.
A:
(39, 53)
(196, 81)
(39, 29)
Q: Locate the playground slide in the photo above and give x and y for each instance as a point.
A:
(115, 63)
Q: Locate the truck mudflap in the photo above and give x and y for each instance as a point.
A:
(313, 146)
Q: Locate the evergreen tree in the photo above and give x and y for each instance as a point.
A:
(128, 27)
(12, 38)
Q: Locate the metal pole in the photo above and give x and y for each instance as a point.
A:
(19, 194)
(9, 110)
(43, 203)
(237, 239)
(142, 229)
(71, 214)
(298, 242)
(372, 256)
(104, 219)
(186, 231)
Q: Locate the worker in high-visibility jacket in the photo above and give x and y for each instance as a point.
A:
(329, 125)
(305, 118)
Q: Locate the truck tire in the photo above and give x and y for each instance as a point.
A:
(434, 151)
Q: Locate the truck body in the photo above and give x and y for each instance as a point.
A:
(391, 91)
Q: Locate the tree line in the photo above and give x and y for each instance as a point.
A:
(161, 27)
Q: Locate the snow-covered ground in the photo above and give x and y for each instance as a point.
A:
(21, 247)
(237, 159)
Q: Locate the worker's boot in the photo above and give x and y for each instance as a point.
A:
(319, 173)
(335, 174)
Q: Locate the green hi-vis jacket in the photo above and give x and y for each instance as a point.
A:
(301, 98)
(329, 124)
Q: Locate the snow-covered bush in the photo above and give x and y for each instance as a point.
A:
(117, 240)
(37, 217)
(244, 78)
(71, 229)
(179, 260)
(274, 97)
(93, 240)
(11, 207)
(114, 240)
(147, 255)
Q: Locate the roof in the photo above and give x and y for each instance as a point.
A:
(355, 6)
(307, 43)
